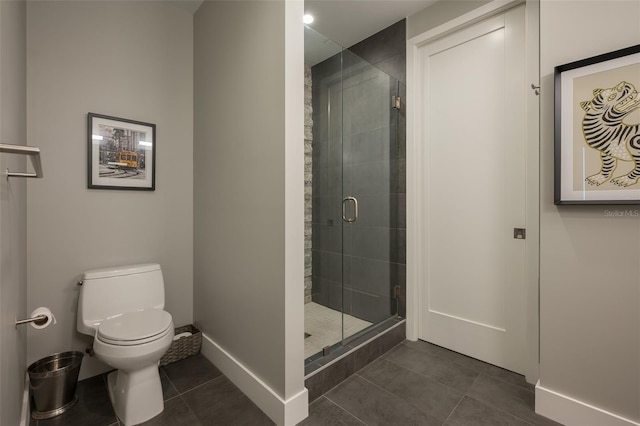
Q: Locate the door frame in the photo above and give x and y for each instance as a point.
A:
(416, 244)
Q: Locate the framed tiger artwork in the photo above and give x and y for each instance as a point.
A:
(597, 129)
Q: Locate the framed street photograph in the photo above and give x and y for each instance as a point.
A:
(597, 129)
(121, 153)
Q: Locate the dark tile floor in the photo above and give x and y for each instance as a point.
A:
(415, 383)
(195, 393)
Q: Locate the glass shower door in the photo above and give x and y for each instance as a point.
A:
(357, 198)
(372, 199)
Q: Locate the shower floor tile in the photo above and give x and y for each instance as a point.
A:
(325, 327)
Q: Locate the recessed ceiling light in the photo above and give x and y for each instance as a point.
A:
(307, 19)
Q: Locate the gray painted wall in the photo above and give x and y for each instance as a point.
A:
(13, 213)
(125, 59)
(589, 262)
(245, 299)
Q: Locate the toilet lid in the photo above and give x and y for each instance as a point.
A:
(135, 327)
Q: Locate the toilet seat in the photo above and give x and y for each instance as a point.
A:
(135, 328)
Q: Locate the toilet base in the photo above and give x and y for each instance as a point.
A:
(136, 396)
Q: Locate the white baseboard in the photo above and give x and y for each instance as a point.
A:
(571, 412)
(283, 412)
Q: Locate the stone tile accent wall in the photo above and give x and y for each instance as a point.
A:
(308, 178)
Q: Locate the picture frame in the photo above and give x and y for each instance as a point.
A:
(597, 129)
(121, 153)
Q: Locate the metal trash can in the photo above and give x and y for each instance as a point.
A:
(53, 382)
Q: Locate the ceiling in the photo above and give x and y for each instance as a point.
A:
(345, 22)
(349, 21)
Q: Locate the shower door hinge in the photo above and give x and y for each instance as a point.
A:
(396, 292)
(395, 102)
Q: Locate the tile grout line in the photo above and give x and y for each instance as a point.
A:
(428, 377)
(434, 381)
(456, 362)
(181, 394)
(421, 375)
(200, 385)
(189, 408)
(454, 410)
(381, 388)
(170, 381)
(449, 361)
(462, 394)
(394, 395)
(342, 408)
(488, 404)
(480, 401)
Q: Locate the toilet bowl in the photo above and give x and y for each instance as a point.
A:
(122, 309)
(133, 344)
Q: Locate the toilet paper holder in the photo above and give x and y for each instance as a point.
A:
(38, 320)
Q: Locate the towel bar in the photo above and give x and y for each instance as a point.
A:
(32, 152)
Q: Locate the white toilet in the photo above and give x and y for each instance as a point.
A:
(122, 308)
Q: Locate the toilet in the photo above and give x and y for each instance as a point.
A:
(122, 308)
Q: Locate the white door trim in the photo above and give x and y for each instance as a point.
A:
(416, 248)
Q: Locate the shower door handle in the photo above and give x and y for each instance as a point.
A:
(345, 200)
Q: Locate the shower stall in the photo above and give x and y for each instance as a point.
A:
(354, 194)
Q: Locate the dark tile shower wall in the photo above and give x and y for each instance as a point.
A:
(362, 150)
(386, 50)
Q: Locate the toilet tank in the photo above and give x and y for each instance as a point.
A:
(112, 291)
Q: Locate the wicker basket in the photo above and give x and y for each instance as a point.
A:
(183, 347)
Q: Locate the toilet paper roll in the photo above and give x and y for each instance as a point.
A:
(181, 335)
(42, 311)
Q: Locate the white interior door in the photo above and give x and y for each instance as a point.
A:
(472, 101)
